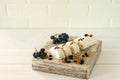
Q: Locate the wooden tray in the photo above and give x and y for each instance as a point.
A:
(71, 69)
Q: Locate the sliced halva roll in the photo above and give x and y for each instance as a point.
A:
(85, 41)
(66, 49)
(74, 47)
(57, 52)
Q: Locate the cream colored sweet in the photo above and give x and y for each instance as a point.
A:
(74, 47)
(85, 41)
(57, 52)
(67, 50)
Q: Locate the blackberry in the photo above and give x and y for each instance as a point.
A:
(54, 42)
(42, 49)
(63, 41)
(42, 55)
(62, 38)
(39, 54)
(57, 41)
(81, 61)
(65, 35)
(52, 37)
(35, 54)
(59, 36)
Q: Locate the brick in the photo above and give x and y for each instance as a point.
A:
(48, 22)
(116, 1)
(17, 9)
(58, 22)
(88, 22)
(38, 21)
(13, 22)
(78, 10)
(115, 22)
(101, 2)
(2, 10)
(58, 1)
(79, 2)
(38, 9)
(105, 10)
(38, 1)
(16, 1)
(58, 10)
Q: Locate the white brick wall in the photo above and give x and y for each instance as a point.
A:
(59, 14)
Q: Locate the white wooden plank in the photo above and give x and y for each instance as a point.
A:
(111, 43)
(16, 52)
(15, 68)
(109, 56)
(13, 60)
(106, 72)
(100, 72)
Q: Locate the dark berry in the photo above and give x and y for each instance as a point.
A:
(81, 61)
(54, 42)
(50, 58)
(57, 41)
(42, 56)
(39, 54)
(60, 39)
(59, 36)
(42, 49)
(65, 35)
(35, 54)
(70, 56)
(86, 54)
(64, 41)
(52, 37)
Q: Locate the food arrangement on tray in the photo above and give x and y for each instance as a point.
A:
(68, 55)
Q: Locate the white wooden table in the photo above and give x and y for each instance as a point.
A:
(17, 47)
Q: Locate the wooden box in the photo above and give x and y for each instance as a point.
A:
(71, 69)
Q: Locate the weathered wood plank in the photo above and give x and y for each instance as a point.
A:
(73, 70)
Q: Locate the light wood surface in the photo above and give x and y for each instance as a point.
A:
(17, 47)
(73, 70)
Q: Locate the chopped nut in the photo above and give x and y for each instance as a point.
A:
(90, 35)
(86, 35)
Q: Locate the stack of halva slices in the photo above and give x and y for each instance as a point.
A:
(72, 47)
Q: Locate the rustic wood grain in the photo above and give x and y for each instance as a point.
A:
(74, 70)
